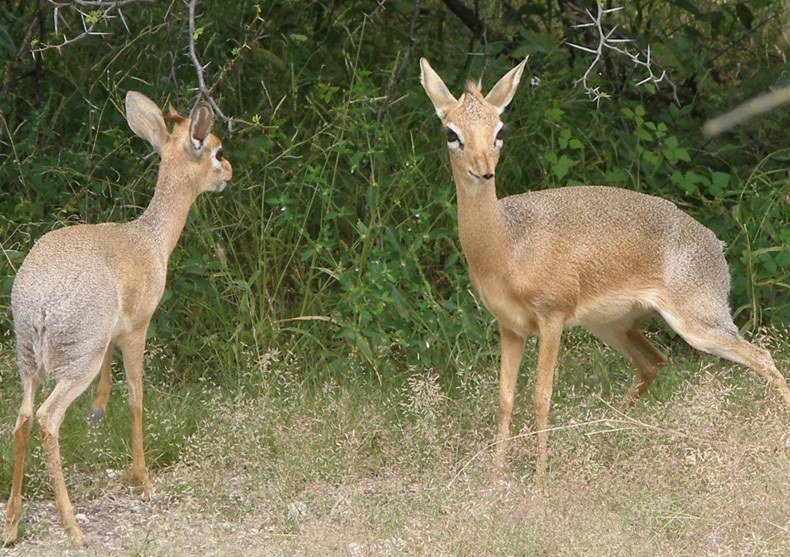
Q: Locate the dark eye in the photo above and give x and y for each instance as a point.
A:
(219, 154)
(500, 135)
(452, 137)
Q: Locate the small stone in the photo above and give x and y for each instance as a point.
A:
(81, 518)
(297, 509)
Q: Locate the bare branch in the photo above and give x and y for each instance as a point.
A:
(470, 18)
(404, 62)
(606, 42)
(24, 48)
(199, 69)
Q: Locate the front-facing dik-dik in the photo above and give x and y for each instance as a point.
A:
(84, 289)
(594, 256)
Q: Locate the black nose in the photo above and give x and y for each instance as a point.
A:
(487, 176)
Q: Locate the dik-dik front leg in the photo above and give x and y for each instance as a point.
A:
(511, 354)
(550, 330)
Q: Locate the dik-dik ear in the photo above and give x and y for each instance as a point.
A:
(201, 120)
(502, 93)
(437, 91)
(145, 119)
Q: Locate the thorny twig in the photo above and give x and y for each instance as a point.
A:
(203, 90)
(618, 45)
(106, 9)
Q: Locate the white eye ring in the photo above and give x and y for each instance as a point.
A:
(453, 139)
(216, 157)
(498, 140)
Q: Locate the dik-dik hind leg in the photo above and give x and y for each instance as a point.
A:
(628, 340)
(103, 391)
(74, 379)
(133, 347)
(719, 336)
(512, 353)
(550, 330)
(24, 424)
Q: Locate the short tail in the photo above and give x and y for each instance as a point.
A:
(31, 344)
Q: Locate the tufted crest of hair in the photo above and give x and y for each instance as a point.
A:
(473, 88)
(174, 117)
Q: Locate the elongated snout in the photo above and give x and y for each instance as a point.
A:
(484, 166)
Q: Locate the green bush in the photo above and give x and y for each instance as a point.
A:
(341, 212)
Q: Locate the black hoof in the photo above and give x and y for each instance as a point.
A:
(96, 415)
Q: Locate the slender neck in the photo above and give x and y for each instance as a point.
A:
(481, 226)
(166, 214)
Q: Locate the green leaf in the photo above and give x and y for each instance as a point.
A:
(5, 40)
(744, 14)
(719, 182)
(560, 169)
(92, 18)
(553, 114)
(565, 135)
(682, 155)
(689, 6)
(269, 56)
(643, 134)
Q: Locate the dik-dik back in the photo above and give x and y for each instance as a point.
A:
(611, 242)
(80, 286)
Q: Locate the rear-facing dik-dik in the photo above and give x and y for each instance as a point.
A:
(84, 289)
(594, 256)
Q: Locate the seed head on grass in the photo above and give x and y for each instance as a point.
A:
(423, 396)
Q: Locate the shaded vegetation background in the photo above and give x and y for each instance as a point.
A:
(336, 242)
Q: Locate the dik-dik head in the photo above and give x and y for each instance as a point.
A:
(474, 130)
(190, 149)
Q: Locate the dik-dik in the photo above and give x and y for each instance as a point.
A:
(594, 256)
(84, 289)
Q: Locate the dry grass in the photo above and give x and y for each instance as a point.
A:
(343, 472)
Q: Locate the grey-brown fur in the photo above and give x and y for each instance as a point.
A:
(84, 289)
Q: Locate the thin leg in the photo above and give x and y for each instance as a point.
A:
(628, 340)
(133, 347)
(74, 380)
(648, 360)
(24, 424)
(512, 352)
(105, 386)
(548, 349)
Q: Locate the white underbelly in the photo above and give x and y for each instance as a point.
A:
(613, 307)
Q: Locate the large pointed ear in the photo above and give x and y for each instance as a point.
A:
(145, 119)
(201, 120)
(437, 91)
(502, 93)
